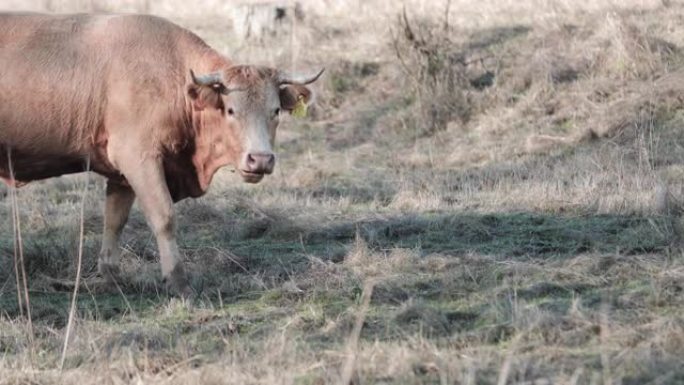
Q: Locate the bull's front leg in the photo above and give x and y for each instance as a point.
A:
(146, 177)
(117, 207)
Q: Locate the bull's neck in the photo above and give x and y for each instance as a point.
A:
(201, 158)
(205, 60)
(207, 158)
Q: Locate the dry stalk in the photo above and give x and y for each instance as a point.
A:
(18, 247)
(604, 337)
(20, 302)
(505, 370)
(353, 341)
(293, 39)
(447, 8)
(72, 310)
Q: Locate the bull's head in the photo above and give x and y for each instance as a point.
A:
(238, 111)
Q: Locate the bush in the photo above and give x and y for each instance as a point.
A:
(434, 68)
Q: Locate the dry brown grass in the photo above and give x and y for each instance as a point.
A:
(522, 229)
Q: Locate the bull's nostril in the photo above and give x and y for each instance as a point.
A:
(250, 160)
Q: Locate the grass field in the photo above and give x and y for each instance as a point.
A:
(485, 193)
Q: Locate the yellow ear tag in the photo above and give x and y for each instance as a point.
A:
(300, 108)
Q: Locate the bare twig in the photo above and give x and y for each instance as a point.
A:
(18, 247)
(123, 296)
(72, 310)
(353, 341)
(293, 38)
(505, 370)
(604, 336)
(20, 302)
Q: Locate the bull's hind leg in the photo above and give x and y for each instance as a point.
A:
(117, 207)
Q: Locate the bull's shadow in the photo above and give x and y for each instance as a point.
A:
(227, 248)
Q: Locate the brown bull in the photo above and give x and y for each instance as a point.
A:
(141, 101)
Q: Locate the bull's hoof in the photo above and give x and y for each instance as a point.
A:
(177, 283)
(110, 272)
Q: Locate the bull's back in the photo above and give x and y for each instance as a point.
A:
(57, 80)
(49, 83)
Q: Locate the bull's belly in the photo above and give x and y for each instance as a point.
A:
(22, 167)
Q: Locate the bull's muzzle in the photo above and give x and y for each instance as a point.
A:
(256, 165)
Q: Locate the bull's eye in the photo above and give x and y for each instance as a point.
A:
(276, 112)
(231, 112)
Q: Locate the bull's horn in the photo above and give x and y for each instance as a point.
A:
(284, 78)
(213, 80)
(206, 80)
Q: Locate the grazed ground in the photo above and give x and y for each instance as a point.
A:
(505, 187)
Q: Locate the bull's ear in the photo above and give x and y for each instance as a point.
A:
(205, 91)
(293, 93)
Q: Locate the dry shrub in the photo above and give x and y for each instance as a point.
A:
(641, 105)
(627, 50)
(434, 68)
(580, 81)
(610, 77)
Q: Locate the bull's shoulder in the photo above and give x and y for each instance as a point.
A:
(143, 21)
(153, 34)
(144, 25)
